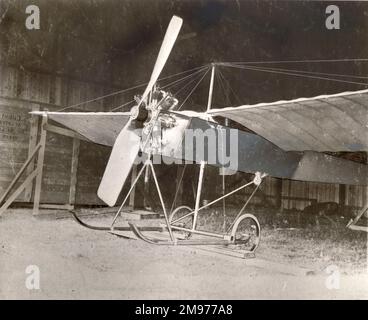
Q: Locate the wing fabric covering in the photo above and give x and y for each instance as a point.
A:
(121, 160)
(99, 127)
(335, 123)
(254, 153)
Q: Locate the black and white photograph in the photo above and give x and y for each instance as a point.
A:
(182, 150)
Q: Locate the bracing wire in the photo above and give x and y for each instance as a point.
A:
(246, 65)
(195, 87)
(188, 83)
(122, 105)
(226, 100)
(317, 73)
(169, 85)
(295, 74)
(176, 82)
(301, 61)
(125, 90)
(231, 88)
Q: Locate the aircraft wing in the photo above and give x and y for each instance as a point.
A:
(99, 127)
(288, 134)
(337, 122)
(195, 139)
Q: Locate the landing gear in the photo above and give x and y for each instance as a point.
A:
(243, 235)
(246, 233)
(186, 223)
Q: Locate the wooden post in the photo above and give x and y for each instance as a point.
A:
(32, 145)
(342, 194)
(40, 161)
(278, 195)
(73, 172)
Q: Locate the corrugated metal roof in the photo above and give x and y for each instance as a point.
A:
(337, 122)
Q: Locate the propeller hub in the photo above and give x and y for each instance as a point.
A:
(139, 113)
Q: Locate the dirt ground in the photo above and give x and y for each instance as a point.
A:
(78, 263)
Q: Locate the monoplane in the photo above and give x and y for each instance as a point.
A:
(290, 139)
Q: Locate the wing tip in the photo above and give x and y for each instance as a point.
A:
(37, 113)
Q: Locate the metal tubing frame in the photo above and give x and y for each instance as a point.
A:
(199, 192)
(203, 233)
(177, 189)
(214, 201)
(161, 200)
(243, 208)
(147, 164)
(176, 242)
(195, 211)
(127, 195)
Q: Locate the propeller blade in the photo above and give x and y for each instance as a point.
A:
(166, 47)
(121, 160)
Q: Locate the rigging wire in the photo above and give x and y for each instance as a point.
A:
(316, 73)
(247, 65)
(231, 88)
(302, 61)
(184, 78)
(223, 87)
(171, 84)
(195, 87)
(296, 74)
(126, 90)
(122, 105)
(185, 86)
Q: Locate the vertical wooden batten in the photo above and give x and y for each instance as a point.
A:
(40, 162)
(33, 132)
(73, 173)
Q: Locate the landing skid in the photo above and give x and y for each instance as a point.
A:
(241, 236)
(138, 232)
(88, 226)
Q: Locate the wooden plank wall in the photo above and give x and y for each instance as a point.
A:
(20, 91)
(14, 140)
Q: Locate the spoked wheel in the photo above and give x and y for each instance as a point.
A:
(246, 233)
(184, 223)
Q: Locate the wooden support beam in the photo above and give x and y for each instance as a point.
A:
(73, 173)
(56, 206)
(33, 132)
(40, 161)
(19, 174)
(64, 132)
